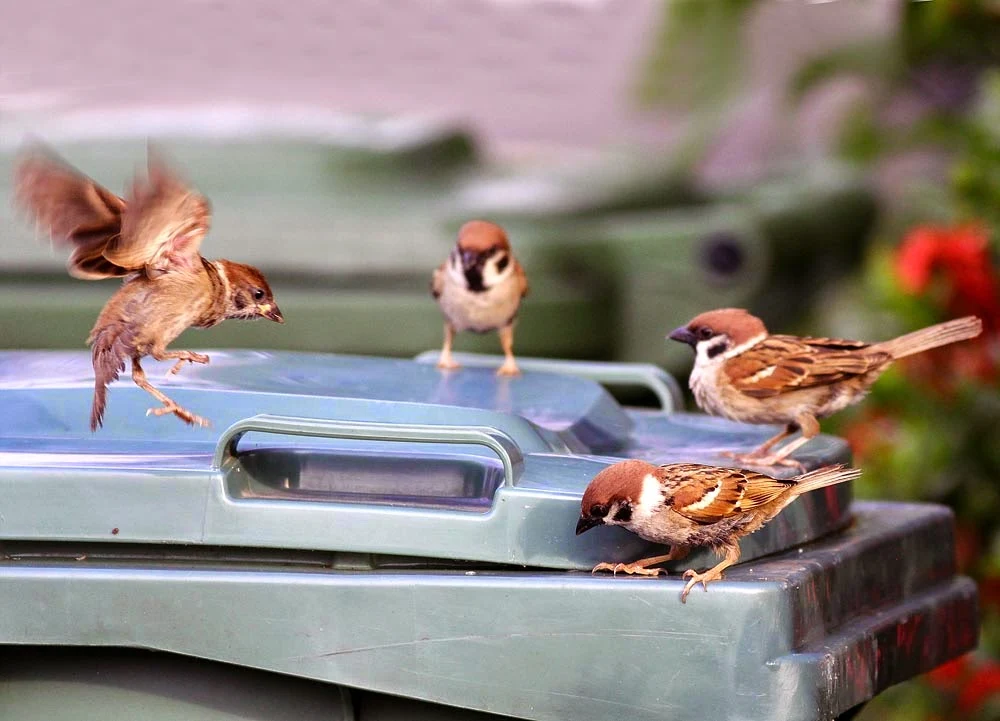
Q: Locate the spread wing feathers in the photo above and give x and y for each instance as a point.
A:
(708, 494)
(73, 209)
(163, 226)
(780, 364)
(437, 280)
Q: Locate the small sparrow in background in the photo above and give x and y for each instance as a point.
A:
(479, 288)
(152, 241)
(686, 504)
(744, 373)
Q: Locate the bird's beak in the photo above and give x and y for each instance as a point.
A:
(683, 335)
(270, 312)
(585, 524)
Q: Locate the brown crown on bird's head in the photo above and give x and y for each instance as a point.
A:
(482, 236)
(612, 493)
(249, 294)
(735, 325)
(481, 245)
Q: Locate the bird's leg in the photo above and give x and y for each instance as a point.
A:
(810, 429)
(184, 356)
(764, 447)
(641, 567)
(713, 574)
(139, 376)
(446, 362)
(509, 367)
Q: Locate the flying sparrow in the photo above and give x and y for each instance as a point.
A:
(151, 240)
(686, 504)
(744, 373)
(479, 288)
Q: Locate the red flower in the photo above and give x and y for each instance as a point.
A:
(983, 685)
(962, 254)
(947, 677)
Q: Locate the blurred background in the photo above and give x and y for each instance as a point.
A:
(834, 166)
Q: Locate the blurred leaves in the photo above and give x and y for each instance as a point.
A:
(697, 55)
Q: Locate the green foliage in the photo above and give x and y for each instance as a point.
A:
(697, 57)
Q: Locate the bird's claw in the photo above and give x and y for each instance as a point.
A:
(509, 369)
(696, 578)
(750, 459)
(190, 358)
(182, 413)
(632, 569)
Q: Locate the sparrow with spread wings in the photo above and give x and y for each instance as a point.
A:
(744, 373)
(151, 239)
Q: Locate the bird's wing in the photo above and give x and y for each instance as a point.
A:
(708, 494)
(781, 363)
(437, 280)
(73, 209)
(163, 225)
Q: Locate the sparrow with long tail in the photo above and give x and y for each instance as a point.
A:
(744, 373)
(684, 505)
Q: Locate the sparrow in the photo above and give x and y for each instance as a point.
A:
(151, 239)
(744, 373)
(479, 288)
(687, 504)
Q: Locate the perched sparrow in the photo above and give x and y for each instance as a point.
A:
(152, 241)
(479, 288)
(744, 373)
(685, 504)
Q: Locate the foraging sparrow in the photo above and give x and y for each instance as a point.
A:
(686, 504)
(744, 373)
(152, 241)
(479, 288)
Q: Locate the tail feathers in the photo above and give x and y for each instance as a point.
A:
(934, 336)
(823, 477)
(111, 347)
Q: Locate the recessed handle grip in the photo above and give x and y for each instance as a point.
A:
(496, 440)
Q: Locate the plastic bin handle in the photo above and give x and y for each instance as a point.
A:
(647, 375)
(496, 440)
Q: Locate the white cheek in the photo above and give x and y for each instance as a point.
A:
(701, 351)
(492, 276)
(651, 496)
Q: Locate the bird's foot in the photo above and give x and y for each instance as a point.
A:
(632, 569)
(751, 459)
(182, 413)
(775, 461)
(509, 369)
(447, 363)
(188, 357)
(695, 578)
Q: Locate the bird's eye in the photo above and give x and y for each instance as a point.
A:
(598, 510)
(258, 294)
(704, 332)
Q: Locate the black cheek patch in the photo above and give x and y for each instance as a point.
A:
(239, 303)
(714, 350)
(624, 514)
(502, 264)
